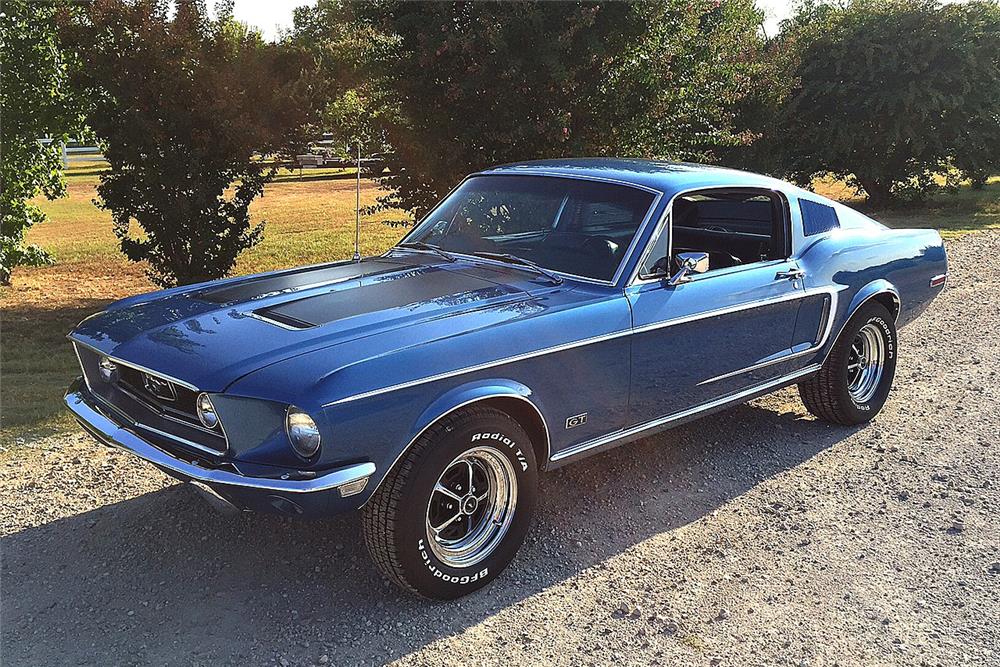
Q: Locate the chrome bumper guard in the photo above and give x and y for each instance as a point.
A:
(120, 437)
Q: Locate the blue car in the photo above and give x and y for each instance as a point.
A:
(541, 313)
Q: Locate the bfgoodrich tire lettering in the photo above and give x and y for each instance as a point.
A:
(854, 383)
(476, 464)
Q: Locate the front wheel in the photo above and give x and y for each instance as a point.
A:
(854, 383)
(452, 513)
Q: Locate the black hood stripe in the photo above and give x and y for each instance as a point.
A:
(414, 288)
(292, 281)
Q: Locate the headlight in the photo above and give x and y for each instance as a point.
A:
(107, 369)
(302, 432)
(207, 415)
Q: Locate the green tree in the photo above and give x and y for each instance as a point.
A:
(190, 110)
(35, 102)
(889, 92)
(463, 85)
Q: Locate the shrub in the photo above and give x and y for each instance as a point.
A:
(188, 110)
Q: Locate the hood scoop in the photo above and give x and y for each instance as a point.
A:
(405, 293)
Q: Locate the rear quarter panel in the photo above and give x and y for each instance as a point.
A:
(863, 262)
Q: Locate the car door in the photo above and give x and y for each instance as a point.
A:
(714, 336)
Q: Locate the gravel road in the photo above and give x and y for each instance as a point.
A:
(757, 536)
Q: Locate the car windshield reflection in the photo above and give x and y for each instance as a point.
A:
(573, 226)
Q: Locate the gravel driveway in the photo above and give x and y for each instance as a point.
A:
(756, 536)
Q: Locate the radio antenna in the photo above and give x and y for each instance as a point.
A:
(357, 211)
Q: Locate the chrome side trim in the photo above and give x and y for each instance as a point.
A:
(480, 367)
(111, 434)
(662, 421)
(545, 426)
(791, 296)
(580, 343)
(130, 364)
(827, 328)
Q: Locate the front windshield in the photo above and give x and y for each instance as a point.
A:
(574, 226)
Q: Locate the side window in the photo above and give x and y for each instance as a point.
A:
(735, 227)
(656, 262)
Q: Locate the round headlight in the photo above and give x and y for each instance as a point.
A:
(107, 369)
(207, 415)
(302, 432)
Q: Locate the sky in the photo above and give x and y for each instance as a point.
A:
(273, 16)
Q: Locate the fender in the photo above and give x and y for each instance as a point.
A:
(863, 295)
(465, 395)
(871, 290)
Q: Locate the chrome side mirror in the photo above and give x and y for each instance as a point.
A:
(689, 262)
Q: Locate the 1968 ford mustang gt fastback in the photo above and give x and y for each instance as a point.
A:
(542, 312)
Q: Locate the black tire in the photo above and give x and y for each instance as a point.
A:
(395, 520)
(828, 395)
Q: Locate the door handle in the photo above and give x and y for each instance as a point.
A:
(790, 274)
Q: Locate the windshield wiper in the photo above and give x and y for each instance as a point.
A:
(420, 245)
(514, 259)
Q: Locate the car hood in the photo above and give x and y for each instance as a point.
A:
(212, 334)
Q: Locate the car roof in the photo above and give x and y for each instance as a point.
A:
(666, 177)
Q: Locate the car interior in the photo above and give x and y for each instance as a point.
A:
(585, 230)
(734, 227)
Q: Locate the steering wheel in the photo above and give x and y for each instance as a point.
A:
(600, 246)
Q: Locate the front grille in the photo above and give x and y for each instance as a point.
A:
(166, 409)
(177, 401)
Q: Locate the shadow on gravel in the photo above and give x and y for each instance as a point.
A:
(163, 579)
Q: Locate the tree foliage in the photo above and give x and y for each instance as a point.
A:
(461, 85)
(187, 109)
(889, 92)
(36, 102)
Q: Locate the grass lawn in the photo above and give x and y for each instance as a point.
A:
(310, 219)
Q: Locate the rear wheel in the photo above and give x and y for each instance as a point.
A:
(452, 513)
(854, 383)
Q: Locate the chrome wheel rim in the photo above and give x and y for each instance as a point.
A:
(471, 507)
(865, 363)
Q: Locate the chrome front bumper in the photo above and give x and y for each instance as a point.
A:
(109, 432)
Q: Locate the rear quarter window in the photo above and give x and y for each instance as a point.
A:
(817, 218)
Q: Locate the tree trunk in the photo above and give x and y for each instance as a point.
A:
(879, 196)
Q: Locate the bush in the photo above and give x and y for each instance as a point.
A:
(188, 110)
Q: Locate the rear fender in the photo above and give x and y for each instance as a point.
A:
(873, 290)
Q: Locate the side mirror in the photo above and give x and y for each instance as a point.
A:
(689, 262)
